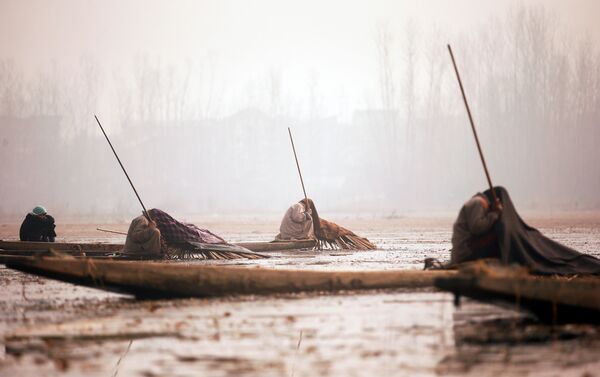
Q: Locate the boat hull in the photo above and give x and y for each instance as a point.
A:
(164, 279)
(552, 299)
(27, 248)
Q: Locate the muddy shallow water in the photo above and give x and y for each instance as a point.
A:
(53, 328)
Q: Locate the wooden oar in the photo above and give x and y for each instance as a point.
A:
(298, 166)
(462, 90)
(124, 171)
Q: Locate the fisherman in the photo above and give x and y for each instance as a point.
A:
(302, 221)
(473, 234)
(143, 237)
(162, 233)
(38, 226)
(176, 232)
(484, 232)
(299, 221)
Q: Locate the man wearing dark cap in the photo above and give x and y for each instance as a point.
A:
(38, 226)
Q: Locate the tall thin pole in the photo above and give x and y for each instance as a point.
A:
(462, 90)
(298, 165)
(124, 171)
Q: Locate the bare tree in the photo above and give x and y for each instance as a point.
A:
(45, 92)
(12, 96)
(211, 91)
(436, 65)
(386, 74)
(182, 93)
(123, 99)
(583, 72)
(274, 92)
(409, 94)
(313, 95)
(147, 83)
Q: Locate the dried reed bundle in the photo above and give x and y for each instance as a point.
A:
(203, 251)
(336, 237)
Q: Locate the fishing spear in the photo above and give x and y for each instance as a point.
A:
(124, 171)
(462, 90)
(298, 165)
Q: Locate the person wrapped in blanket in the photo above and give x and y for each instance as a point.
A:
(38, 226)
(473, 235)
(301, 221)
(153, 237)
(481, 231)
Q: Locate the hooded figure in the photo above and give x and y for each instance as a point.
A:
(519, 243)
(153, 237)
(473, 235)
(173, 231)
(300, 222)
(143, 237)
(38, 226)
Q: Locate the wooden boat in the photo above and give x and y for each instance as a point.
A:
(553, 299)
(160, 279)
(62, 246)
(103, 249)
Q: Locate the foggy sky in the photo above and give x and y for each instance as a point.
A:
(333, 39)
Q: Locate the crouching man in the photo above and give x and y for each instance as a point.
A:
(473, 233)
(38, 226)
(143, 237)
(299, 222)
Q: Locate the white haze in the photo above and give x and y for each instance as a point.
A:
(197, 97)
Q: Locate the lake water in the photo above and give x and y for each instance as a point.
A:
(52, 328)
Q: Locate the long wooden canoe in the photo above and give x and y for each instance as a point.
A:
(62, 246)
(155, 279)
(32, 248)
(552, 299)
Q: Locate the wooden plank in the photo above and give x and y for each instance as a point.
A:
(109, 247)
(25, 253)
(262, 247)
(181, 280)
(26, 245)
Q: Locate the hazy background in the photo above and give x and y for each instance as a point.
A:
(197, 97)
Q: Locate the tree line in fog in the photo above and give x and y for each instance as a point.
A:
(196, 146)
